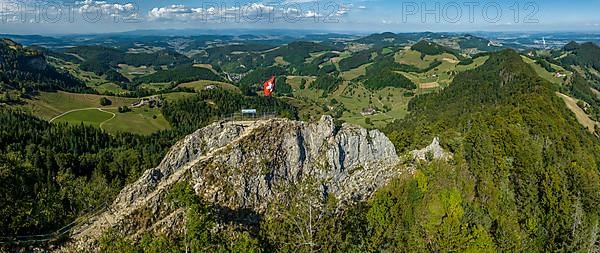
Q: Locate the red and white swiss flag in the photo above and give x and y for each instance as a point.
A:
(269, 86)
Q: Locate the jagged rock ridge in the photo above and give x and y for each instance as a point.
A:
(247, 165)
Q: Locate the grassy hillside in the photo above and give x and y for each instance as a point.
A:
(181, 74)
(202, 84)
(92, 117)
(97, 82)
(430, 48)
(586, 54)
(348, 101)
(544, 73)
(58, 106)
(522, 167)
(27, 70)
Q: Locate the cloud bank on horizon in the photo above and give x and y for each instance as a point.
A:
(100, 16)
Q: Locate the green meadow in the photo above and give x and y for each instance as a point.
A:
(73, 108)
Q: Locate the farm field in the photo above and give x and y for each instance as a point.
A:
(156, 86)
(90, 78)
(206, 66)
(596, 92)
(581, 116)
(412, 57)
(390, 102)
(202, 84)
(442, 75)
(93, 117)
(131, 72)
(51, 104)
(75, 108)
(143, 121)
(543, 73)
(355, 73)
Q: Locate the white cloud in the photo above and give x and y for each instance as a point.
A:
(91, 5)
(210, 12)
(251, 12)
(175, 11)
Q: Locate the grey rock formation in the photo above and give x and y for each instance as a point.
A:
(434, 150)
(247, 165)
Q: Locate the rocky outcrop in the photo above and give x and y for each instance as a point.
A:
(432, 152)
(247, 165)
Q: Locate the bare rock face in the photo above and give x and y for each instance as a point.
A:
(350, 163)
(247, 165)
(434, 150)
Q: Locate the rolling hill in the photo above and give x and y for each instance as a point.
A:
(27, 70)
(517, 148)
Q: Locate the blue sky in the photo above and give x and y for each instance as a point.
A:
(93, 16)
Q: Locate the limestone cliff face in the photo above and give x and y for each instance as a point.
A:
(349, 163)
(247, 165)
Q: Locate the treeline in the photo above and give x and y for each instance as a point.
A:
(327, 83)
(383, 73)
(356, 60)
(99, 59)
(429, 48)
(52, 173)
(310, 69)
(194, 112)
(380, 40)
(26, 70)
(324, 58)
(180, 74)
(586, 54)
(104, 61)
(524, 177)
(252, 82)
(296, 52)
(382, 78)
(223, 51)
(511, 136)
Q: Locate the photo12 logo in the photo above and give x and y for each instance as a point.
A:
(471, 12)
(290, 12)
(53, 12)
(92, 11)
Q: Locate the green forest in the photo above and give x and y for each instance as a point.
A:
(53, 173)
(524, 175)
(523, 167)
(524, 178)
(26, 70)
(180, 74)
